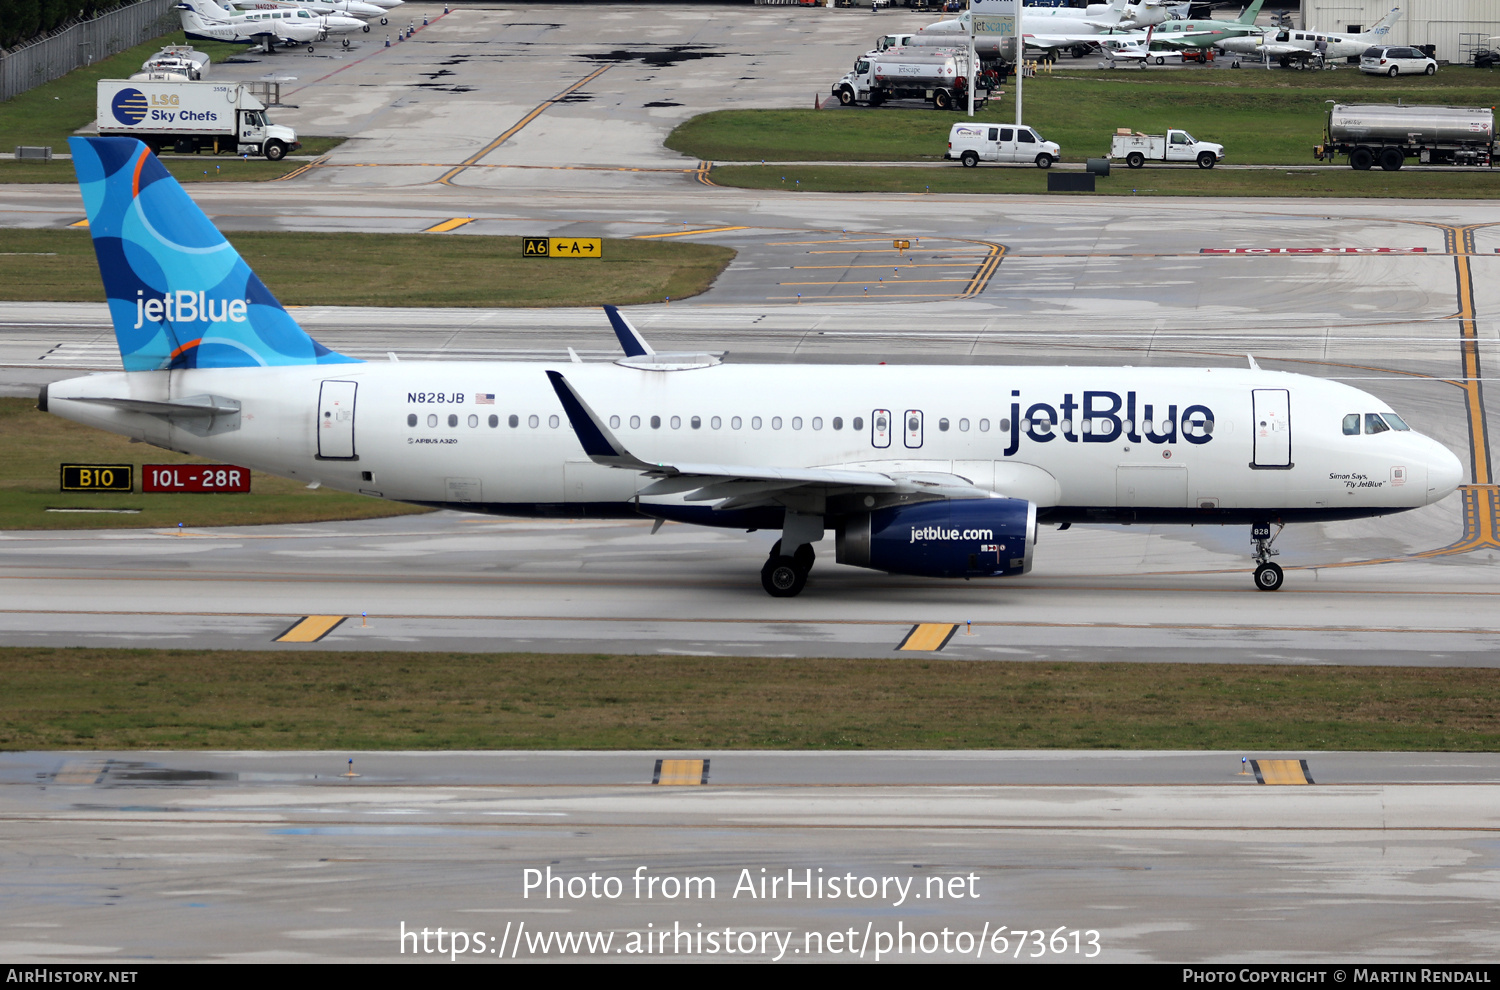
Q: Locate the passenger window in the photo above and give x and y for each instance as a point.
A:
(1005, 426)
(734, 423)
(515, 421)
(532, 421)
(754, 422)
(963, 426)
(838, 423)
(858, 424)
(695, 422)
(775, 422)
(1397, 423)
(1351, 425)
(1374, 424)
(994, 133)
(411, 419)
(431, 419)
(716, 422)
(817, 422)
(453, 419)
(676, 422)
(614, 422)
(984, 426)
(635, 422)
(942, 425)
(553, 421)
(1007, 134)
(494, 421)
(473, 420)
(1024, 136)
(796, 422)
(656, 422)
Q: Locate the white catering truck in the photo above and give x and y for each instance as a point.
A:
(1173, 146)
(188, 117)
(940, 75)
(972, 143)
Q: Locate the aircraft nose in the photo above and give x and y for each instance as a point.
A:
(1445, 472)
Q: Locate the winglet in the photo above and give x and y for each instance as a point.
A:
(598, 442)
(1253, 365)
(630, 338)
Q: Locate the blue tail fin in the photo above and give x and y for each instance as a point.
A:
(179, 294)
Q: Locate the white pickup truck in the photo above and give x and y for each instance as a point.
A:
(1173, 146)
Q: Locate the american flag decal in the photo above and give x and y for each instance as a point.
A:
(484, 398)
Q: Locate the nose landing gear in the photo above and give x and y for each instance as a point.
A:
(1268, 576)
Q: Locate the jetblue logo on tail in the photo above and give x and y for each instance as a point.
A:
(184, 306)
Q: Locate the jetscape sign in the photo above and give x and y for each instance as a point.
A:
(1315, 250)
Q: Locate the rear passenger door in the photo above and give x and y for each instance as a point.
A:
(1005, 145)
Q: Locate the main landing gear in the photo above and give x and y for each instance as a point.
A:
(783, 576)
(1268, 576)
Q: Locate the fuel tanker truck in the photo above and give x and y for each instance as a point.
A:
(1387, 135)
(937, 75)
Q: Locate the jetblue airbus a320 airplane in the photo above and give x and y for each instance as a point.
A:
(937, 471)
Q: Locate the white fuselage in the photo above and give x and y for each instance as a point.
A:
(1222, 444)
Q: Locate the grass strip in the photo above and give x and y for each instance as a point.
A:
(1260, 117)
(393, 270)
(35, 444)
(950, 177)
(51, 113)
(183, 699)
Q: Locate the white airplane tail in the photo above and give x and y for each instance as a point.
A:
(194, 19)
(1382, 28)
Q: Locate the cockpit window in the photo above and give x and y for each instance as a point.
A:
(1397, 423)
(1351, 425)
(1374, 424)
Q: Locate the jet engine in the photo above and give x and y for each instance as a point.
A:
(981, 537)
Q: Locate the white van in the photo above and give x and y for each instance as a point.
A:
(973, 143)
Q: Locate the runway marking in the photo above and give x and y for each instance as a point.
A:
(702, 174)
(541, 108)
(986, 270)
(928, 637)
(315, 163)
(1281, 772)
(80, 223)
(447, 225)
(310, 629)
(81, 772)
(684, 233)
(910, 264)
(545, 168)
(681, 772)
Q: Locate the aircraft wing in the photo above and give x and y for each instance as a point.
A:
(1065, 40)
(738, 486)
(1279, 50)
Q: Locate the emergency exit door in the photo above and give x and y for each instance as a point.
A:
(336, 422)
(1273, 428)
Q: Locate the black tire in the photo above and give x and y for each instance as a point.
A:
(846, 97)
(385, 20)
(1206, 159)
(782, 578)
(1044, 160)
(1360, 159)
(1079, 51)
(275, 151)
(346, 41)
(367, 29)
(1391, 159)
(1431, 69)
(309, 49)
(1394, 72)
(1284, 62)
(1160, 60)
(941, 100)
(1135, 159)
(1268, 577)
(970, 159)
(876, 99)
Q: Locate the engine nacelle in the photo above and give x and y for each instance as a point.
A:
(980, 537)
